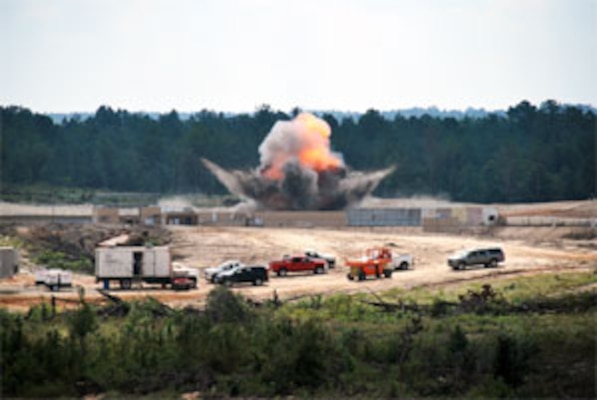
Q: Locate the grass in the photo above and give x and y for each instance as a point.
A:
(513, 289)
(11, 241)
(58, 259)
(45, 194)
(324, 346)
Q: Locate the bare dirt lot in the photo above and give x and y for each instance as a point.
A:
(200, 247)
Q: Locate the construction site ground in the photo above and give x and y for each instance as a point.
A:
(529, 251)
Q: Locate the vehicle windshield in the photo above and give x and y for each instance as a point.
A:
(228, 264)
(372, 254)
(460, 254)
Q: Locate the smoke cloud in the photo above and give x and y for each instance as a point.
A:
(298, 171)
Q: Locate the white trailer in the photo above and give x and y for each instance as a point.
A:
(57, 278)
(133, 264)
(53, 278)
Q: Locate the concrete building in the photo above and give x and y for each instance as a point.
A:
(105, 215)
(9, 262)
(150, 216)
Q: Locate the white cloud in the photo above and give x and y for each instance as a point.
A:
(234, 55)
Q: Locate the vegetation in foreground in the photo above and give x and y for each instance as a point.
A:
(530, 337)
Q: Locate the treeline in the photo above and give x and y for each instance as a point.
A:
(337, 347)
(529, 154)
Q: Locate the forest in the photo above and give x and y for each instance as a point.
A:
(527, 154)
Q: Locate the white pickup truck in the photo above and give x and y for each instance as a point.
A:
(402, 261)
(330, 259)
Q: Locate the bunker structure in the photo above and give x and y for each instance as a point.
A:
(9, 262)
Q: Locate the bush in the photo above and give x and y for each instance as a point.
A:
(303, 350)
(57, 259)
(225, 306)
(299, 355)
(512, 359)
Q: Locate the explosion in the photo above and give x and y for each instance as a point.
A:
(299, 171)
(306, 139)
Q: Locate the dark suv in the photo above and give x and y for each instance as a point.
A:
(487, 257)
(242, 273)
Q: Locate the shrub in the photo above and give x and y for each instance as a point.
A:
(512, 359)
(225, 306)
(57, 259)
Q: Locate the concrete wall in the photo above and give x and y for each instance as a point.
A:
(303, 219)
(384, 217)
(45, 219)
(181, 218)
(273, 219)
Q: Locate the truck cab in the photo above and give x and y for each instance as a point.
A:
(183, 277)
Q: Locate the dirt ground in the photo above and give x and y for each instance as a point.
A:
(526, 252)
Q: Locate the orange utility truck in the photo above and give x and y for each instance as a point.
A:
(376, 262)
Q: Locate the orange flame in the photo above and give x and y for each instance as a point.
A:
(313, 152)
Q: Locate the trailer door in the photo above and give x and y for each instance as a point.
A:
(113, 263)
(149, 263)
(162, 262)
(138, 261)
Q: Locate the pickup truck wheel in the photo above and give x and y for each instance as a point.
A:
(403, 266)
(493, 263)
(461, 266)
(282, 272)
(126, 284)
(318, 270)
(257, 282)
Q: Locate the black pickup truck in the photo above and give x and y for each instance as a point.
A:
(257, 275)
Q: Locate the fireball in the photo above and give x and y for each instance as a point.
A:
(305, 139)
(299, 171)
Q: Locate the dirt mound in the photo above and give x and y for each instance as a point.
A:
(563, 209)
(80, 241)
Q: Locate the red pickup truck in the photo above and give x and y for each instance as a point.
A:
(298, 263)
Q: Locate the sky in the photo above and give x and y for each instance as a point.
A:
(345, 55)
